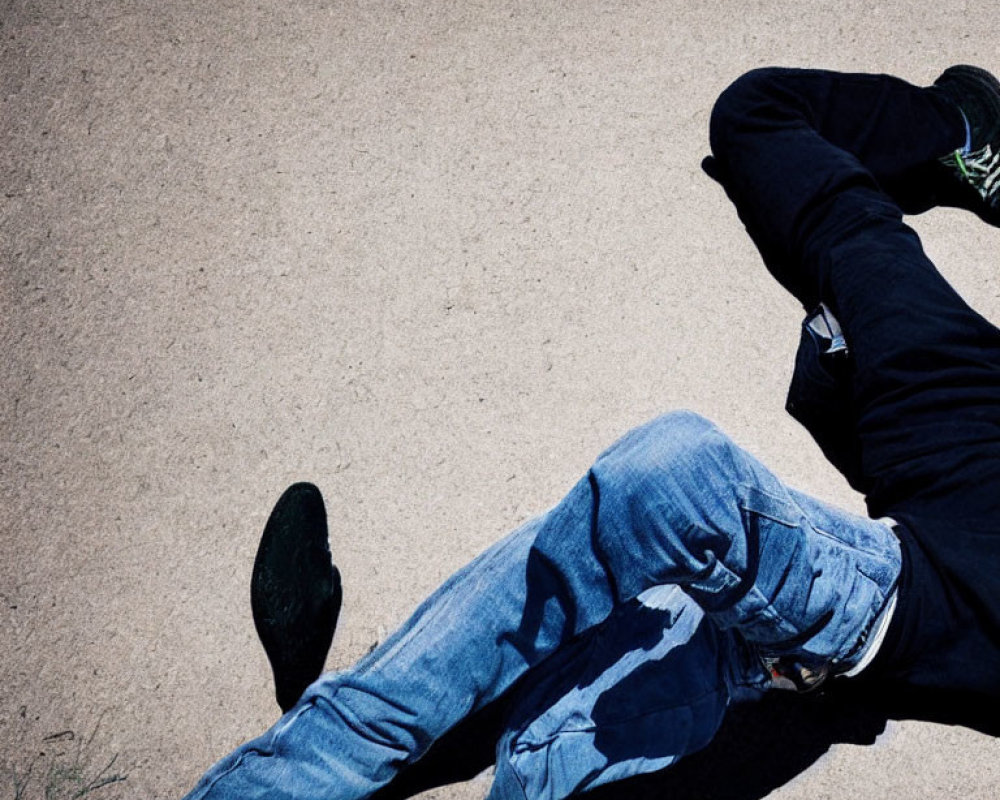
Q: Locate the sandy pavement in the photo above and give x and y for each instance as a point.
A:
(431, 256)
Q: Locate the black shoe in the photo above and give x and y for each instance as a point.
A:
(974, 170)
(295, 591)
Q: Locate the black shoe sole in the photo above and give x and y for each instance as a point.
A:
(295, 591)
(977, 92)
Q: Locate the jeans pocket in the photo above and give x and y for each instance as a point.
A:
(778, 565)
(805, 584)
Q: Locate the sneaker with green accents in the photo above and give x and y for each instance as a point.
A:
(975, 167)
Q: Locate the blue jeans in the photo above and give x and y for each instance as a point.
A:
(634, 612)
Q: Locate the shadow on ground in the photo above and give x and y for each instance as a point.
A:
(760, 747)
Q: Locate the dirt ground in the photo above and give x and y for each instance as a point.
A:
(432, 256)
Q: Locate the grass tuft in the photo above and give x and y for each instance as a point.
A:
(65, 770)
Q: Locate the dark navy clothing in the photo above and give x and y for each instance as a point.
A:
(821, 167)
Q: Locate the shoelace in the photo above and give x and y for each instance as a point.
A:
(982, 170)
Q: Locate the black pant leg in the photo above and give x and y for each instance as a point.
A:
(807, 156)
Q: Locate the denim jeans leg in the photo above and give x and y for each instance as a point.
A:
(352, 731)
(673, 502)
(646, 687)
(681, 503)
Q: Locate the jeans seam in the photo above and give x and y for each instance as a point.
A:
(773, 517)
(237, 762)
(516, 773)
(746, 503)
(846, 543)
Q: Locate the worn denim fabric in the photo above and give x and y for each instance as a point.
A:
(647, 686)
(674, 503)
